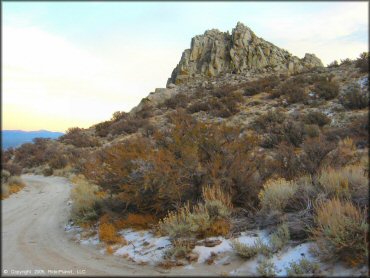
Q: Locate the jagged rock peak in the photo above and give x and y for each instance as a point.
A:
(215, 53)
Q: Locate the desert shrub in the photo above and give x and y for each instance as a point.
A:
(276, 194)
(179, 100)
(317, 118)
(293, 91)
(180, 248)
(333, 64)
(287, 162)
(363, 62)
(312, 130)
(327, 89)
(279, 238)
(248, 252)
(244, 250)
(118, 115)
(302, 268)
(293, 132)
(267, 120)
(341, 232)
(137, 221)
(346, 183)
(315, 150)
(48, 172)
(354, 98)
(4, 176)
(58, 162)
(223, 104)
(78, 138)
(12, 168)
(85, 206)
(198, 106)
(266, 268)
(360, 126)
(204, 219)
(127, 125)
(345, 153)
(102, 129)
(4, 190)
(265, 84)
(184, 223)
(13, 185)
(108, 234)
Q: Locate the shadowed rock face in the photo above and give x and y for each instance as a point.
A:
(215, 53)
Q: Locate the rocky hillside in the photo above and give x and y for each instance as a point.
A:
(216, 53)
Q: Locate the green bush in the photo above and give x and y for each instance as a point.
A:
(327, 89)
(318, 118)
(266, 268)
(303, 268)
(312, 130)
(280, 238)
(363, 62)
(355, 99)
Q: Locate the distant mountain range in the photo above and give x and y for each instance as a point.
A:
(15, 138)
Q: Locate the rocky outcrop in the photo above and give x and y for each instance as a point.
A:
(216, 53)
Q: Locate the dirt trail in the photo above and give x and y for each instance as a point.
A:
(34, 241)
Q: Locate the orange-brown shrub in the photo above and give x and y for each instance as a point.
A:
(136, 221)
(220, 227)
(108, 232)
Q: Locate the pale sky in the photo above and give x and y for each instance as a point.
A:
(71, 64)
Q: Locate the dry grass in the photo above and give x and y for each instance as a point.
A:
(204, 219)
(280, 238)
(215, 193)
(276, 194)
(84, 199)
(12, 185)
(341, 232)
(349, 182)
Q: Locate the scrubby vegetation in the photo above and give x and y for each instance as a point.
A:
(10, 184)
(283, 153)
(341, 232)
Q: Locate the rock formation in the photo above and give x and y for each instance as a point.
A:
(216, 53)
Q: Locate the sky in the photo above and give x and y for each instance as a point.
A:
(67, 64)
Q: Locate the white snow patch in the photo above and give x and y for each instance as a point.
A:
(205, 252)
(251, 237)
(293, 254)
(363, 82)
(91, 240)
(189, 266)
(143, 246)
(280, 260)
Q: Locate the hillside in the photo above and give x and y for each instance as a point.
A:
(245, 136)
(15, 138)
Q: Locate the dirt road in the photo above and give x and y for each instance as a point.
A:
(34, 241)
